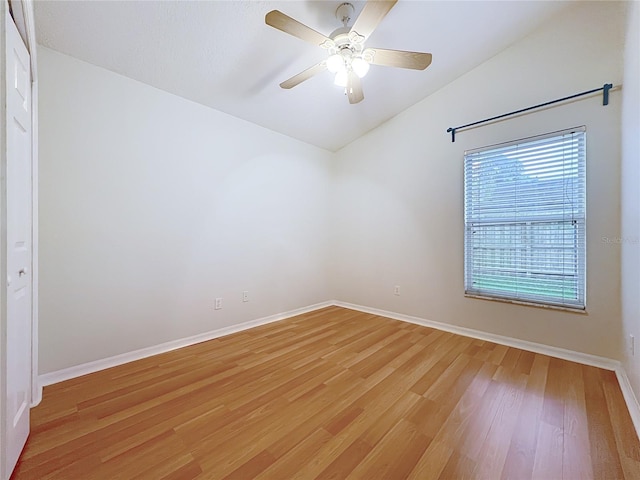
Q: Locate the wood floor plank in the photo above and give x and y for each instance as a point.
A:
(336, 394)
(629, 452)
(302, 452)
(549, 449)
(344, 464)
(394, 455)
(605, 459)
(253, 467)
(400, 409)
(368, 427)
(436, 461)
(432, 462)
(576, 460)
(459, 467)
(495, 446)
(522, 450)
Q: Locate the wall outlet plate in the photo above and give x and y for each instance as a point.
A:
(218, 304)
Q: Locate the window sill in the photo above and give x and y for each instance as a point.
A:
(529, 304)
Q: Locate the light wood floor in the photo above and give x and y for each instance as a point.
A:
(335, 394)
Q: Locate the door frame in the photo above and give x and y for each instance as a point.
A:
(28, 12)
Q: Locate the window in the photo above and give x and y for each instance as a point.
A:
(525, 206)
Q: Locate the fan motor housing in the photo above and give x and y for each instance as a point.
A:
(342, 41)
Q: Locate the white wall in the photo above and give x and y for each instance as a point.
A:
(630, 238)
(399, 199)
(151, 206)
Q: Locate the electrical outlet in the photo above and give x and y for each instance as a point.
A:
(218, 304)
(245, 296)
(632, 345)
(396, 290)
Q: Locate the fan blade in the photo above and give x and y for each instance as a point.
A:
(282, 22)
(397, 58)
(354, 88)
(304, 75)
(372, 14)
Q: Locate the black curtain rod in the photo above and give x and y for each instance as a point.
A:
(605, 101)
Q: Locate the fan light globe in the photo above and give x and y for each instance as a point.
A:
(341, 78)
(335, 63)
(360, 67)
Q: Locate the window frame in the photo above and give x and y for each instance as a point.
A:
(579, 224)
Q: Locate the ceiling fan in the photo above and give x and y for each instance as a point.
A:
(347, 57)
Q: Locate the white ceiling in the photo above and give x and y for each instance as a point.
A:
(221, 54)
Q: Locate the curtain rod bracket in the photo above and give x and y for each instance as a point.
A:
(605, 93)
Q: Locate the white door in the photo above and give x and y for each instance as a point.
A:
(19, 251)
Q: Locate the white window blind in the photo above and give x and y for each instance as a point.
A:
(525, 209)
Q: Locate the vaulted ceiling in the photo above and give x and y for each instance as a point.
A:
(221, 54)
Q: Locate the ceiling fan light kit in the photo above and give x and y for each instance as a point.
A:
(348, 59)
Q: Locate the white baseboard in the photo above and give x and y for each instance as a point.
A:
(578, 357)
(97, 365)
(629, 397)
